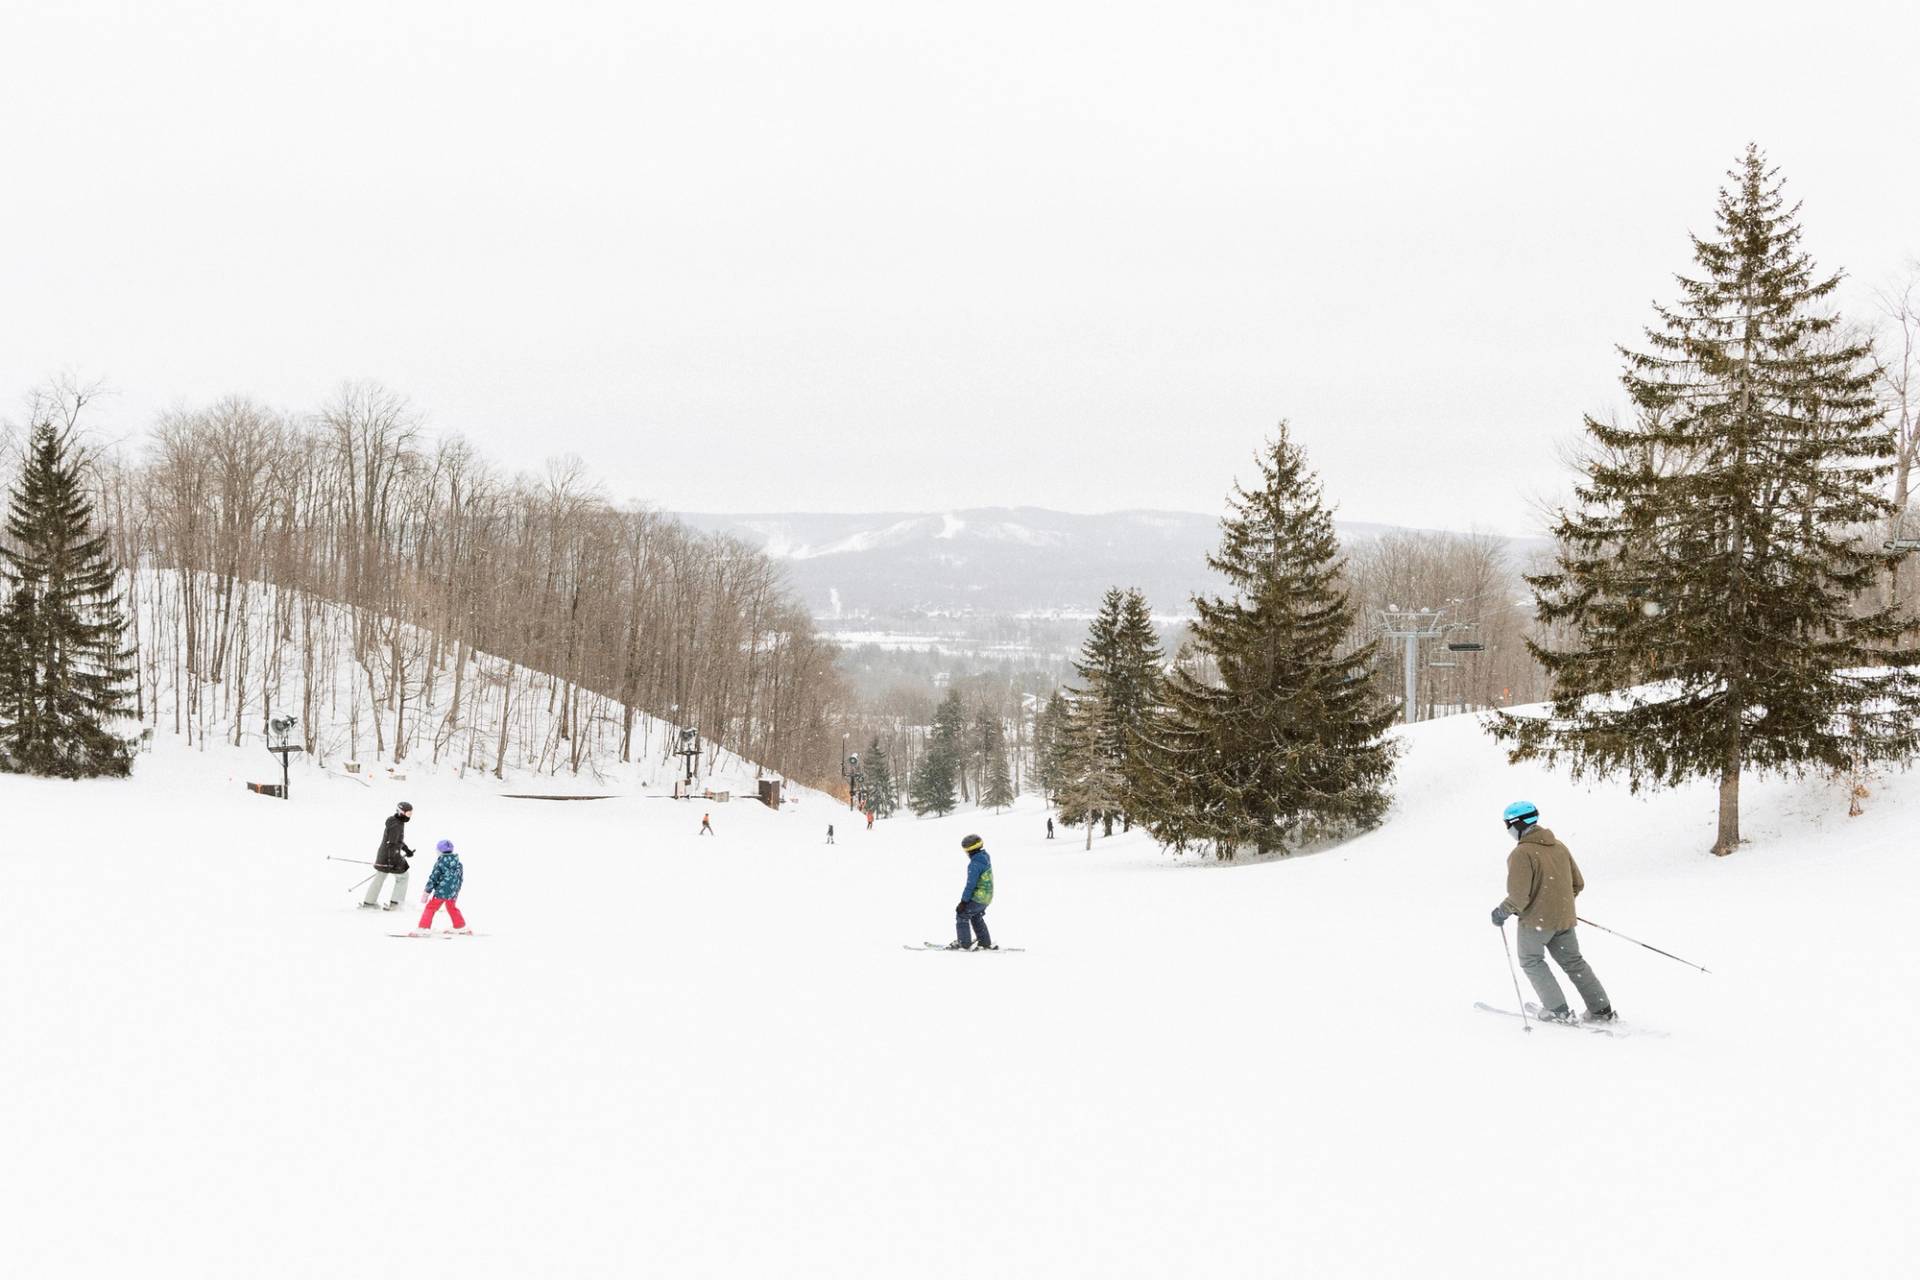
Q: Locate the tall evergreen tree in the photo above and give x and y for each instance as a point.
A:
(66, 676)
(1092, 788)
(950, 738)
(996, 790)
(1119, 667)
(1709, 577)
(931, 788)
(986, 736)
(934, 778)
(1049, 743)
(881, 793)
(1271, 732)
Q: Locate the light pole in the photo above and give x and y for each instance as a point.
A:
(850, 770)
(690, 748)
(279, 741)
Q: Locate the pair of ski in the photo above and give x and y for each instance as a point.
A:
(1614, 1029)
(444, 933)
(941, 946)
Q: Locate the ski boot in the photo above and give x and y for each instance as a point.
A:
(1600, 1015)
(957, 945)
(1562, 1014)
(984, 946)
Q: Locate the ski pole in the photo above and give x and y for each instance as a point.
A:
(362, 861)
(357, 884)
(1636, 942)
(1525, 1024)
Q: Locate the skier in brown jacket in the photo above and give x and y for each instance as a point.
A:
(1542, 881)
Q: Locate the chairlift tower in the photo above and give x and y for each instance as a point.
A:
(1901, 543)
(1410, 627)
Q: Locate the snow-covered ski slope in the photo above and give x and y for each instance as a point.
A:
(678, 1055)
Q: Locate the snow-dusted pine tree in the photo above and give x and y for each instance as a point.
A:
(1713, 580)
(1271, 733)
(65, 679)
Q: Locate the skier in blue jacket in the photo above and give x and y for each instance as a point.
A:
(970, 917)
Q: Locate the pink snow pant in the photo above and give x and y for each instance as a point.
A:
(453, 913)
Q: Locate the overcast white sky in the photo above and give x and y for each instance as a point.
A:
(835, 256)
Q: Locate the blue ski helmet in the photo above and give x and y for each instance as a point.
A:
(445, 846)
(1520, 815)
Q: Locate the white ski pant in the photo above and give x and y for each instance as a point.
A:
(380, 878)
(1536, 944)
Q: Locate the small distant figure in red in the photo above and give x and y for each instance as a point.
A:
(869, 819)
(706, 824)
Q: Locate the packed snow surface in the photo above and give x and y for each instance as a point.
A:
(677, 1055)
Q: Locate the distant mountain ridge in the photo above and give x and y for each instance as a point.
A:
(996, 560)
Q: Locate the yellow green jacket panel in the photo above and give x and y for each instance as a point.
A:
(979, 879)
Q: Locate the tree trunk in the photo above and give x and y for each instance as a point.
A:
(1728, 838)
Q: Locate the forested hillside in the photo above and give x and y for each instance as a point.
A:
(359, 572)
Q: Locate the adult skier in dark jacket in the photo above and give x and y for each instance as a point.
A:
(391, 859)
(970, 917)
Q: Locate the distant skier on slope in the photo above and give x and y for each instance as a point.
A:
(829, 833)
(970, 917)
(443, 887)
(391, 859)
(706, 824)
(1542, 882)
(1049, 828)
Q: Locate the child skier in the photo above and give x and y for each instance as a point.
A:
(971, 914)
(443, 886)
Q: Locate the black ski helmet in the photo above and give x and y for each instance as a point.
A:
(973, 844)
(404, 807)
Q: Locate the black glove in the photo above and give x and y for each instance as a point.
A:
(1500, 914)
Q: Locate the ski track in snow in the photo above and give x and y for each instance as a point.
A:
(687, 1056)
